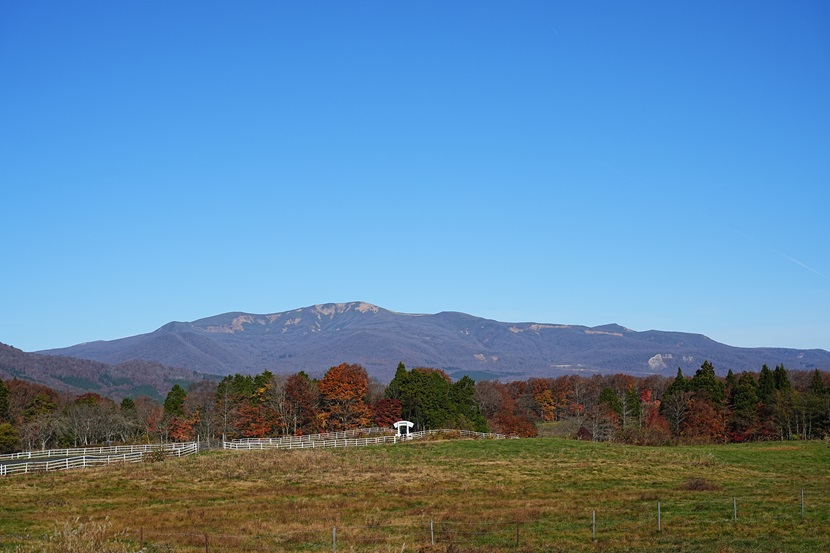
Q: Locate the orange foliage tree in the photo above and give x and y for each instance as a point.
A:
(343, 396)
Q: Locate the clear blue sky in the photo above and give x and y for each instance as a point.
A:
(661, 165)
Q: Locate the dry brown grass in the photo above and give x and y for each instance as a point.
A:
(383, 498)
(78, 537)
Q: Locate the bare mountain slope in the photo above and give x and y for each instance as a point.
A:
(317, 337)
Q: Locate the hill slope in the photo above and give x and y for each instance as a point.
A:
(317, 337)
(78, 376)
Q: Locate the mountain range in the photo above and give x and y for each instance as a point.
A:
(315, 338)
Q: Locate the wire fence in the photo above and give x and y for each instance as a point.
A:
(800, 522)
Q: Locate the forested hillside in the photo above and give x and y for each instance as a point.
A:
(699, 408)
(78, 376)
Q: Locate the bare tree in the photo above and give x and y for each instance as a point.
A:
(200, 405)
(489, 397)
(276, 401)
(42, 430)
(148, 414)
(676, 410)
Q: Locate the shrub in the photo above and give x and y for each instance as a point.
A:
(155, 456)
(698, 485)
(9, 438)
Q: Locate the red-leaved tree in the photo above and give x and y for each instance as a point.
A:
(387, 412)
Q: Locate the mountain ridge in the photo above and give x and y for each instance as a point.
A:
(316, 337)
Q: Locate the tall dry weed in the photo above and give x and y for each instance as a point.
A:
(79, 537)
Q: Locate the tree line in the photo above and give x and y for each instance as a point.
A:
(33, 416)
(699, 408)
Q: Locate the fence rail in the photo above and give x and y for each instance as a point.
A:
(315, 444)
(90, 460)
(461, 433)
(98, 450)
(350, 438)
(356, 433)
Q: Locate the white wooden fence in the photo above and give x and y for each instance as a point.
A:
(460, 433)
(293, 442)
(98, 450)
(350, 438)
(73, 458)
(70, 458)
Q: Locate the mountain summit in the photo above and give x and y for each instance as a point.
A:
(315, 338)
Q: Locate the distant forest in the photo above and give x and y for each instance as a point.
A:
(773, 404)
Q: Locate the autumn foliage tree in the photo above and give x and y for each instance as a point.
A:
(303, 399)
(501, 409)
(173, 424)
(343, 397)
(387, 411)
(706, 408)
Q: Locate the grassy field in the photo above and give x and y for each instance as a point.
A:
(478, 496)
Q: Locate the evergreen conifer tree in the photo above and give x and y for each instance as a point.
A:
(706, 384)
(395, 388)
(609, 397)
(127, 404)
(745, 403)
(633, 408)
(4, 401)
(678, 385)
(173, 403)
(731, 381)
(817, 384)
(766, 385)
(782, 381)
(466, 414)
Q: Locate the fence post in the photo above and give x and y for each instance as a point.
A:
(735, 509)
(594, 525)
(802, 503)
(431, 533)
(659, 518)
(517, 532)
(334, 539)
(141, 537)
(206, 543)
